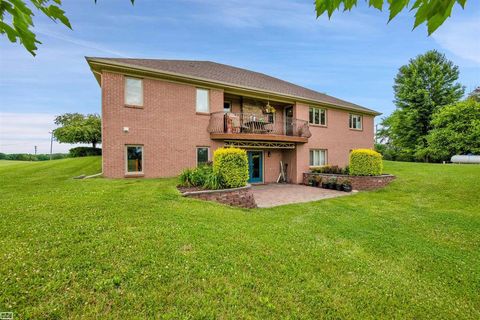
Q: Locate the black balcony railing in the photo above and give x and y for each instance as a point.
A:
(249, 123)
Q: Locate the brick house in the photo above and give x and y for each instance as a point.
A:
(162, 116)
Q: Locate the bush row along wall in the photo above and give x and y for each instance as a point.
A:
(358, 182)
(238, 197)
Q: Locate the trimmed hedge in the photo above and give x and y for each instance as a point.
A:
(85, 152)
(365, 162)
(231, 164)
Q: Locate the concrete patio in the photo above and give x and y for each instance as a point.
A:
(271, 195)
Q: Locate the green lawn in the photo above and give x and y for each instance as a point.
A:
(129, 249)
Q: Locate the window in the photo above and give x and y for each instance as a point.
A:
(134, 159)
(133, 91)
(227, 106)
(355, 122)
(270, 117)
(202, 155)
(202, 100)
(318, 157)
(318, 116)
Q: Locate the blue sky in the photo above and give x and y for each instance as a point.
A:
(355, 56)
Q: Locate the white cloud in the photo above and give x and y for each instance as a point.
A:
(461, 38)
(21, 132)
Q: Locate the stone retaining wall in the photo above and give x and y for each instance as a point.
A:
(237, 197)
(358, 182)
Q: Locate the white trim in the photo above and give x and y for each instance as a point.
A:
(317, 155)
(196, 153)
(350, 121)
(125, 78)
(126, 158)
(319, 116)
(208, 100)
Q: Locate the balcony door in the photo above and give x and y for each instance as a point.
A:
(289, 121)
(255, 166)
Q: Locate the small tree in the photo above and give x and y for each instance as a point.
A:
(456, 130)
(78, 128)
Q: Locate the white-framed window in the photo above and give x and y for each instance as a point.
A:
(134, 158)
(355, 121)
(203, 155)
(202, 100)
(318, 116)
(318, 157)
(133, 91)
(270, 117)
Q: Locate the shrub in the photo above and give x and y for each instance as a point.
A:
(85, 152)
(231, 165)
(331, 170)
(365, 162)
(213, 181)
(199, 175)
(186, 178)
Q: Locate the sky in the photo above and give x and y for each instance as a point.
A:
(354, 56)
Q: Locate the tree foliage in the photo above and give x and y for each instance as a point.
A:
(475, 94)
(16, 19)
(421, 88)
(431, 12)
(456, 130)
(78, 128)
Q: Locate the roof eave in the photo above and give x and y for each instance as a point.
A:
(96, 65)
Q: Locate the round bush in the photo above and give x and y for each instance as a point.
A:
(365, 162)
(231, 164)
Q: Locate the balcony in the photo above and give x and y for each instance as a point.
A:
(254, 126)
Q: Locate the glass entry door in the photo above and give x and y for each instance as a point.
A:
(255, 166)
(289, 121)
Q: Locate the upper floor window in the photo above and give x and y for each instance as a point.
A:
(133, 91)
(202, 100)
(318, 157)
(355, 121)
(318, 116)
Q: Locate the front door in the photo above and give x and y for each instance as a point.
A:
(289, 121)
(255, 166)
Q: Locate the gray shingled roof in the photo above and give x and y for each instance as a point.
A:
(226, 74)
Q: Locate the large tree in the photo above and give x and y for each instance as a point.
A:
(456, 130)
(422, 87)
(78, 128)
(432, 12)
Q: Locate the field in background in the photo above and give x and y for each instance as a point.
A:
(103, 248)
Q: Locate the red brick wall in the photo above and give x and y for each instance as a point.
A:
(167, 126)
(240, 197)
(337, 138)
(358, 182)
(170, 130)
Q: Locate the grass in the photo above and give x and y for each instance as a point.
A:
(103, 248)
